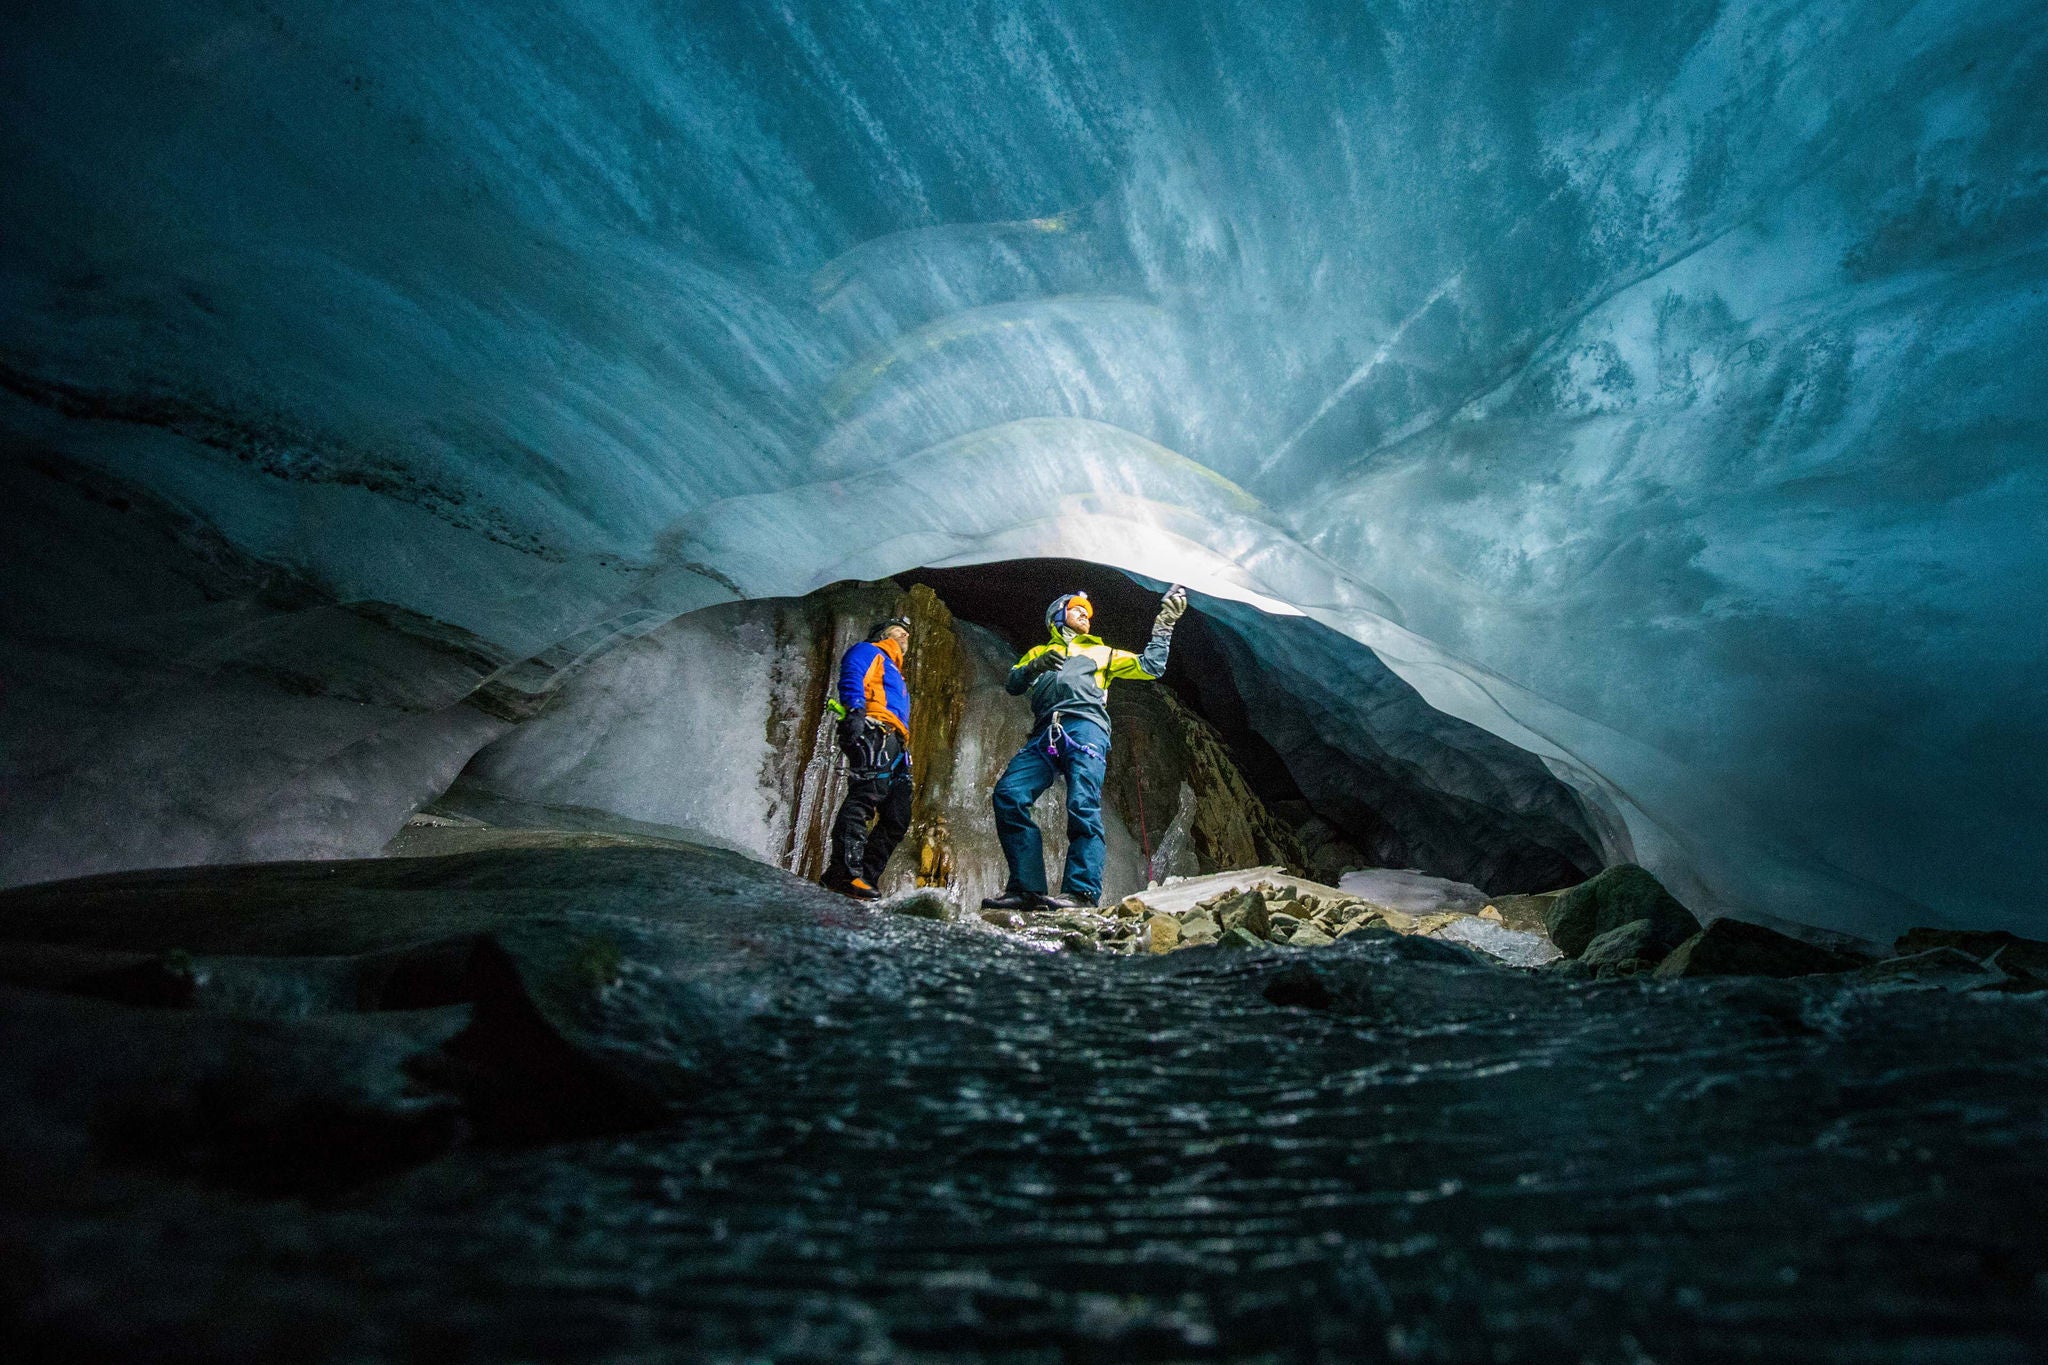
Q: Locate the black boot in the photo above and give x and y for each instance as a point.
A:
(1064, 901)
(835, 879)
(1014, 898)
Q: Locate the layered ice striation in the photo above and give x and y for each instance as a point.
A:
(169, 700)
(1660, 390)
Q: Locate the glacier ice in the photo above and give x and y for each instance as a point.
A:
(1658, 389)
(169, 701)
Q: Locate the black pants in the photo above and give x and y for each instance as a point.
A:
(880, 786)
(857, 852)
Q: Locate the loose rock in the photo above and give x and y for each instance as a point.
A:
(2009, 950)
(1932, 964)
(1628, 949)
(1618, 896)
(1162, 934)
(923, 903)
(1524, 913)
(1731, 947)
(1269, 911)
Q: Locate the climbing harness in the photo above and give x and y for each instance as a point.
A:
(1056, 739)
(865, 748)
(868, 756)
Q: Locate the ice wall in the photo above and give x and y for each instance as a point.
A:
(1660, 388)
(167, 700)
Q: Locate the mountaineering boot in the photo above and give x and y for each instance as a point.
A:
(847, 885)
(1013, 899)
(1064, 901)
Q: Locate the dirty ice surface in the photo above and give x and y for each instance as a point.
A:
(615, 1103)
(1416, 892)
(1512, 946)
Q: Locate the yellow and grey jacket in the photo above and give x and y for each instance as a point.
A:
(1079, 688)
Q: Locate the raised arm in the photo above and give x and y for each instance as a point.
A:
(1151, 661)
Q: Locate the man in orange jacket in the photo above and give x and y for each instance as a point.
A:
(874, 734)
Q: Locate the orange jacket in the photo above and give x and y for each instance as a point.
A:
(871, 684)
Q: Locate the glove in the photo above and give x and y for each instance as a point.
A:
(1172, 607)
(1044, 664)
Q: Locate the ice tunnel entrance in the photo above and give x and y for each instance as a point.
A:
(1273, 740)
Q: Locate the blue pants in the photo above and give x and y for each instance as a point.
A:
(1080, 756)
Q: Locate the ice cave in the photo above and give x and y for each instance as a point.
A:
(1570, 893)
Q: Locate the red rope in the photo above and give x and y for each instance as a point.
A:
(1144, 836)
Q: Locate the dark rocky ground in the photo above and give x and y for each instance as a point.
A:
(608, 1102)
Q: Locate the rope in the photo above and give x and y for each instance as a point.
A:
(1144, 835)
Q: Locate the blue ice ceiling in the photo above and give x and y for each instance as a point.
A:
(1661, 387)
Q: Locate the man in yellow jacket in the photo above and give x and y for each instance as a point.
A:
(1068, 681)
